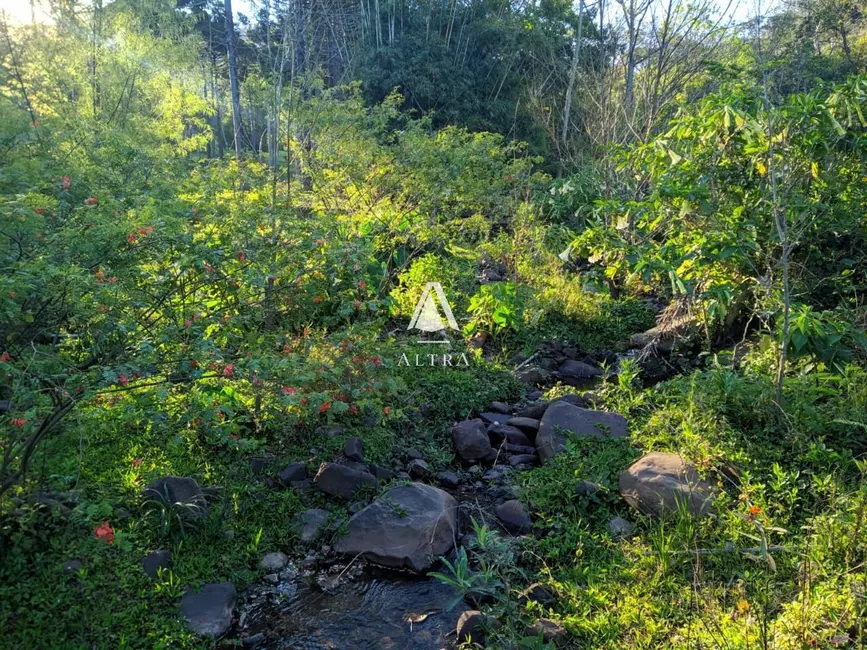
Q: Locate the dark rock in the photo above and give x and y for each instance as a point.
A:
(381, 473)
(497, 433)
(253, 640)
(471, 441)
(573, 399)
(311, 523)
(588, 489)
(403, 476)
(580, 422)
(330, 430)
(209, 612)
(499, 407)
(494, 418)
(414, 454)
(471, 626)
(274, 561)
(303, 484)
(519, 449)
(258, 465)
(5, 405)
(534, 412)
(620, 527)
(408, 527)
(449, 479)
(292, 473)
(550, 631)
(577, 373)
(514, 517)
(475, 471)
(357, 466)
(156, 560)
(341, 481)
(358, 506)
(353, 449)
(523, 460)
(528, 426)
(418, 469)
(534, 395)
(537, 593)
(533, 376)
(73, 566)
(178, 491)
(657, 483)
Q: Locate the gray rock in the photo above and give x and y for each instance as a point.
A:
(657, 483)
(341, 481)
(520, 449)
(498, 433)
(588, 489)
(528, 426)
(449, 479)
(73, 566)
(523, 460)
(494, 418)
(499, 407)
(381, 473)
(578, 421)
(178, 491)
(293, 473)
(311, 522)
(209, 612)
(353, 449)
(408, 527)
(533, 376)
(534, 395)
(620, 527)
(514, 517)
(578, 373)
(418, 469)
(550, 631)
(414, 454)
(573, 399)
(471, 441)
(471, 626)
(330, 430)
(358, 506)
(534, 412)
(475, 471)
(253, 640)
(537, 593)
(274, 561)
(271, 578)
(156, 560)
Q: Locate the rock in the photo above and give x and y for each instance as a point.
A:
(578, 373)
(471, 626)
(523, 460)
(499, 407)
(588, 489)
(656, 483)
(653, 337)
(209, 612)
(178, 491)
(274, 561)
(358, 506)
(520, 449)
(514, 517)
(381, 473)
(73, 566)
(403, 476)
(293, 473)
(259, 464)
(418, 469)
(449, 479)
(357, 466)
(537, 593)
(341, 481)
(573, 399)
(550, 631)
(271, 578)
(620, 527)
(353, 449)
(330, 430)
(533, 376)
(253, 640)
(413, 454)
(529, 426)
(534, 412)
(156, 560)
(579, 421)
(534, 395)
(490, 275)
(410, 526)
(475, 471)
(494, 418)
(312, 522)
(471, 441)
(497, 433)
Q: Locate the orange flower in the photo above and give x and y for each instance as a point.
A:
(386, 410)
(317, 299)
(5, 357)
(104, 532)
(325, 406)
(289, 390)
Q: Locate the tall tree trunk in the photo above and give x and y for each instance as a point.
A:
(573, 73)
(233, 79)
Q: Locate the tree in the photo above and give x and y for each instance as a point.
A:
(233, 79)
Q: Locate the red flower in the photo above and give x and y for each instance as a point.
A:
(325, 406)
(317, 299)
(123, 380)
(233, 436)
(362, 284)
(91, 201)
(104, 532)
(66, 183)
(289, 390)
(228, 370)
(146, 231)
(5, 357)
(18, 422)
(241, 256)
(354, 409)
(39, 210)
(386, 410)
(131, 239)
(376, 361)
(136, 462)
(188, 323)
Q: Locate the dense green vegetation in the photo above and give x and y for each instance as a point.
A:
(184, 293)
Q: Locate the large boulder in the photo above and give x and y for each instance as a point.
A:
(311, 523)
(471, 441)
(514, 517)
(578, 373)
(209, 612)
(178, 492)
(562, 416)
(658, 483)
(410, 526)
(342, 481)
